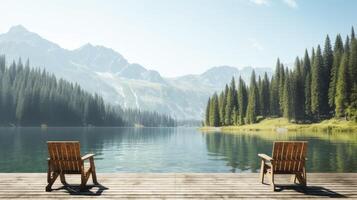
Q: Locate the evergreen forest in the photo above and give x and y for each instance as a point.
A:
(321, 85)
(34, 97)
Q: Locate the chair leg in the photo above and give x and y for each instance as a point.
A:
(304, 177)
(301, 177)
(63, 179)
(84, 179)
(262, 171)
(272, 181)
(51, 178)
(83, 182)
(94, 174)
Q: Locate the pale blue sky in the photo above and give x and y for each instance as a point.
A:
(187, 36)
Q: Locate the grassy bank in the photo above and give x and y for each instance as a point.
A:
(283, 125)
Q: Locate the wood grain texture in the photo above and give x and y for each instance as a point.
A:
(65, 158)
(177, 186)
(288, 158)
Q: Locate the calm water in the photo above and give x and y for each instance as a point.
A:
(171, 149)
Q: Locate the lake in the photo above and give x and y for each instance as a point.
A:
(172, 149)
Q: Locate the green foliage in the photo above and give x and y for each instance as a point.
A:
(264, 95)
(341, 89)
(322, 87)
(231, 104)
(289, 97)
(214, 111)
(253, 104)
(337, 55)
(281, 84)
(207, 115)
(352, 69)
(326, 74)
(30, 97)
(222, 108)
(317, 84)
(297, 90)
(307, 94)
(242, 101)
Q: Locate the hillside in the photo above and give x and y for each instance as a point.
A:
(102, 70)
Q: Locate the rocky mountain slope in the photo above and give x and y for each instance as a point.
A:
(104, 71)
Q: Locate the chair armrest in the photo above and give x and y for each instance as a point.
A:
(265, 157)
(87, 156)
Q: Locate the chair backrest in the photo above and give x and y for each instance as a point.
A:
(289, 156)
(65, 156)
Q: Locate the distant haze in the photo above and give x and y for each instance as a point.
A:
(101, 70)
(184, 36)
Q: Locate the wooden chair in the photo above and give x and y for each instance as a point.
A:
(288, 158)
(65, 158)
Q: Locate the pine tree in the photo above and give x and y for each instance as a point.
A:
(242, 101)
(229, 108)
(341, 89)
(220, 107)
(231, 104)
(252, 108)
(346, 52)
(353, 36)
(337, 55)
(223, 106)
(306, 78)
(214, 111)
(207, 116)
(288, 97)
(260, 95)
(307, 92)
(352, 109)
(316, 84)
(281, 89)
(298, 89)
(273, 97)
(312, 55)
(306, 64)
(352, 70)
(265, 96)
(275, 82)
(326, 73)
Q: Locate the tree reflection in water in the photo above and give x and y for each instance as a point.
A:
(327, 152)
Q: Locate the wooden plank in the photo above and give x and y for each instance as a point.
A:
(178, 186)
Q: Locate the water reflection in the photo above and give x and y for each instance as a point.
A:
(171, 149)
(25, 149)
(327, 152)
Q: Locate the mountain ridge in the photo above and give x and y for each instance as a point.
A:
(104, 71)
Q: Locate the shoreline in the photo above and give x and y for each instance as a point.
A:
(282, 125)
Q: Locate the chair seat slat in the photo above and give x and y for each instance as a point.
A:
(65, 158)
(288, 158)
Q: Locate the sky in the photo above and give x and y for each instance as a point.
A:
(179, 37)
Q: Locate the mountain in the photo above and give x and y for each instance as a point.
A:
(102, 70)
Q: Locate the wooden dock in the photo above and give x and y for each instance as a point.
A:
(178, 186)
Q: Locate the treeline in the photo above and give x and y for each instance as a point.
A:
(31, 97)
(320, 86)
(148, 118)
